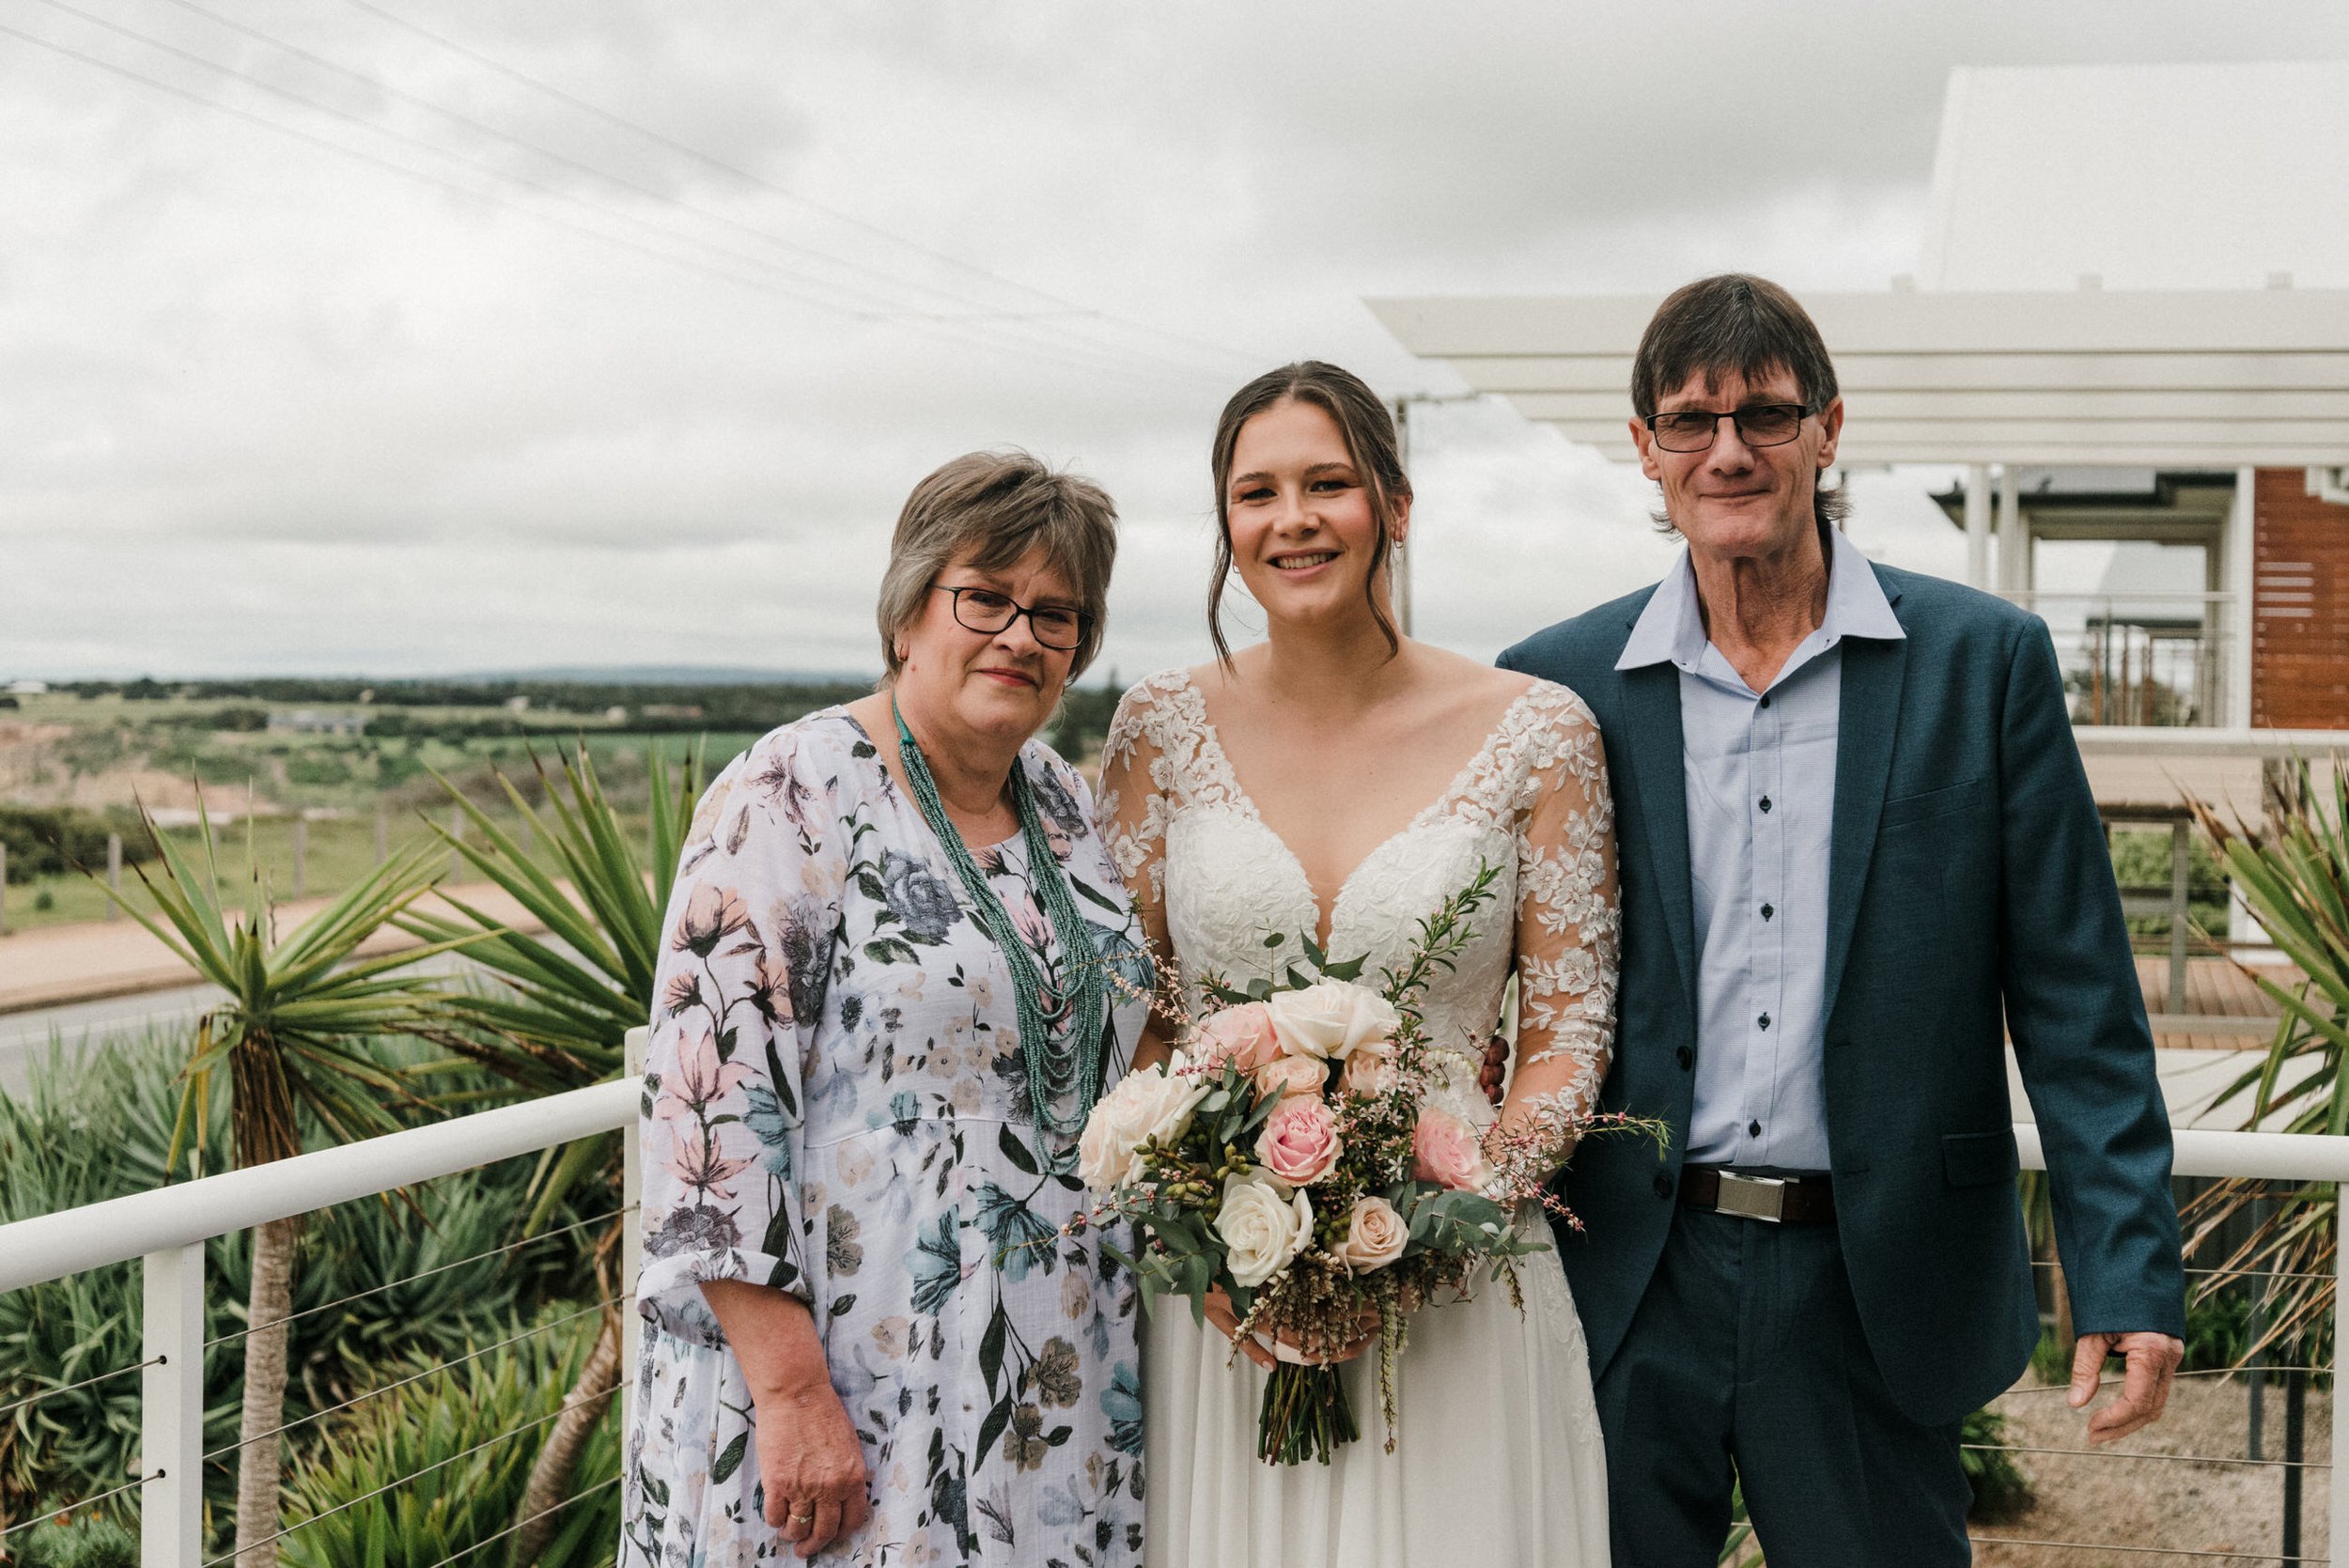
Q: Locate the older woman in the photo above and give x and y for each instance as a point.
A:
(899, 970)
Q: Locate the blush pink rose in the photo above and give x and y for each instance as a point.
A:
(1293, 1075)
(1447, 1151)
(1299, 1140)
(1241, 1036)
(1369, 1071)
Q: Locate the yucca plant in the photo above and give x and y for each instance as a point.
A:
(2293, 873)
(290, 1041)
(561, 1007)
(465, 1435)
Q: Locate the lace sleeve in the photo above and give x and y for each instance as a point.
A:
(1568, 930)
(1131, 809)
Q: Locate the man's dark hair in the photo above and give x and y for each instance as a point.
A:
(1735, 323)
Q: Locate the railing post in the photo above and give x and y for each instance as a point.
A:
(631, 1228)
(2339, 1510)
(2181, 861)
(171, 1422)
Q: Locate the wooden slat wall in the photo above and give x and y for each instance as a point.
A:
(2299, 606)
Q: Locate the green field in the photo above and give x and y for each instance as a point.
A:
(109, 742)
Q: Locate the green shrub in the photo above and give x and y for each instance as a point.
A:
(99, 1124)
(54, 841)
(467, 1486)
(2000, 1489)
(91, 1540)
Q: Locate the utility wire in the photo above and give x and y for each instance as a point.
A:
(971, 311)
(1226, 355)
(940, 328)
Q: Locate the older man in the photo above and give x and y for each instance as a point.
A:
(1857, 850)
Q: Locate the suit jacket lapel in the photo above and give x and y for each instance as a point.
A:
(1659, 769)
(1868, 715)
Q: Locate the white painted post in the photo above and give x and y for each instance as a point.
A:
(113, 874)
(383, 834)
(2013, 548)
(2241, 554)
(171, 1421)
(457, 833)
(1977, 527)
(631, 1227)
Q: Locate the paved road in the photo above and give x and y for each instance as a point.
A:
(24, 1038)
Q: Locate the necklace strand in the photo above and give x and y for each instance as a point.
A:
(1074, 1064)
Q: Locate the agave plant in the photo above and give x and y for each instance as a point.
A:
(291, 1040)
(560, 1012)
(2293, 873)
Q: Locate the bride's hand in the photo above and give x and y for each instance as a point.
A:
(1220, 1314)
(1227, 1323)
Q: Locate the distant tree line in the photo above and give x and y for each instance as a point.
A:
(654, 709)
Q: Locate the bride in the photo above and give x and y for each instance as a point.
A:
(1340, 780)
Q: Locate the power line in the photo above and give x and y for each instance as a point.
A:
(712, 160)
(974, 312)
(942, 328)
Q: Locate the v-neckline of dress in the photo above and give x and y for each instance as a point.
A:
(1219, 760)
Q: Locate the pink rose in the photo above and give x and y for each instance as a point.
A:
(1299, 1140)
(1241, 1036)
(1369, 1071)
(1375, 1237)
(1447, 1151)
(1292, 1075)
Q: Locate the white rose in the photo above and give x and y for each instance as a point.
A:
(1155, 1103)
(1375, 1237)
(1262, 1230)
(1330, 1019)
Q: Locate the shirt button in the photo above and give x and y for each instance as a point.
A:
(1766, 802)
(1766, 702)
(1766, 1020)
(1685, 1057)
(1663, 1186)
(1754, 1129)
(1768, 911)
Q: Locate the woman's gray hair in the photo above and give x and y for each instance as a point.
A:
(994, 508)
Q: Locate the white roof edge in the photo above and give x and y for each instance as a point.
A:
(2252, 321)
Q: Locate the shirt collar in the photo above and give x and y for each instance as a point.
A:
(1672, 630)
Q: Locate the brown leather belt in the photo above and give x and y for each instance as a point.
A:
(1780, 1199)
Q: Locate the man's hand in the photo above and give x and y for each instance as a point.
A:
(2152, 1367)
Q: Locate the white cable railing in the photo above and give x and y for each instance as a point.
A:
(168, 1230)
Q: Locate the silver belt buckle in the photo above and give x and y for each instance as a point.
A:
(1754, 1197)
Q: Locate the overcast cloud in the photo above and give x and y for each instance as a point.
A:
(274, 404)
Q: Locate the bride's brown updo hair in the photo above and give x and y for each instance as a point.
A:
(1362, 420)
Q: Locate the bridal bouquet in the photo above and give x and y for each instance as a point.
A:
(1287, 1153)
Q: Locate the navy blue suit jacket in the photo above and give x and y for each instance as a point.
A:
(1969, 896)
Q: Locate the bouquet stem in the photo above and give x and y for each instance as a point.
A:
(1306, 1415)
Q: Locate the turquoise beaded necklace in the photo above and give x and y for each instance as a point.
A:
(1054, 1069)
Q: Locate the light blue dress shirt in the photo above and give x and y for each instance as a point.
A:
(1760, 770)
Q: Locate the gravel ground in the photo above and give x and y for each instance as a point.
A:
(2187, 1505)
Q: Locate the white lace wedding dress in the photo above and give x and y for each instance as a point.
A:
(1498, 1460)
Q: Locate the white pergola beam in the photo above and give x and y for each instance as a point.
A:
(2208, 379)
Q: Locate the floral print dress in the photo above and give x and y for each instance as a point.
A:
(836, 1106)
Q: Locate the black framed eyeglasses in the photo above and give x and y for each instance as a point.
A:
(1055, 626)
(1761, 425)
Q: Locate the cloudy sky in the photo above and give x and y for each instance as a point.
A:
(426, 336)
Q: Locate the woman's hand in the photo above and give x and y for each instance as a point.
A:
(1220, 1314)
(811, 1468)
(811, 1465)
